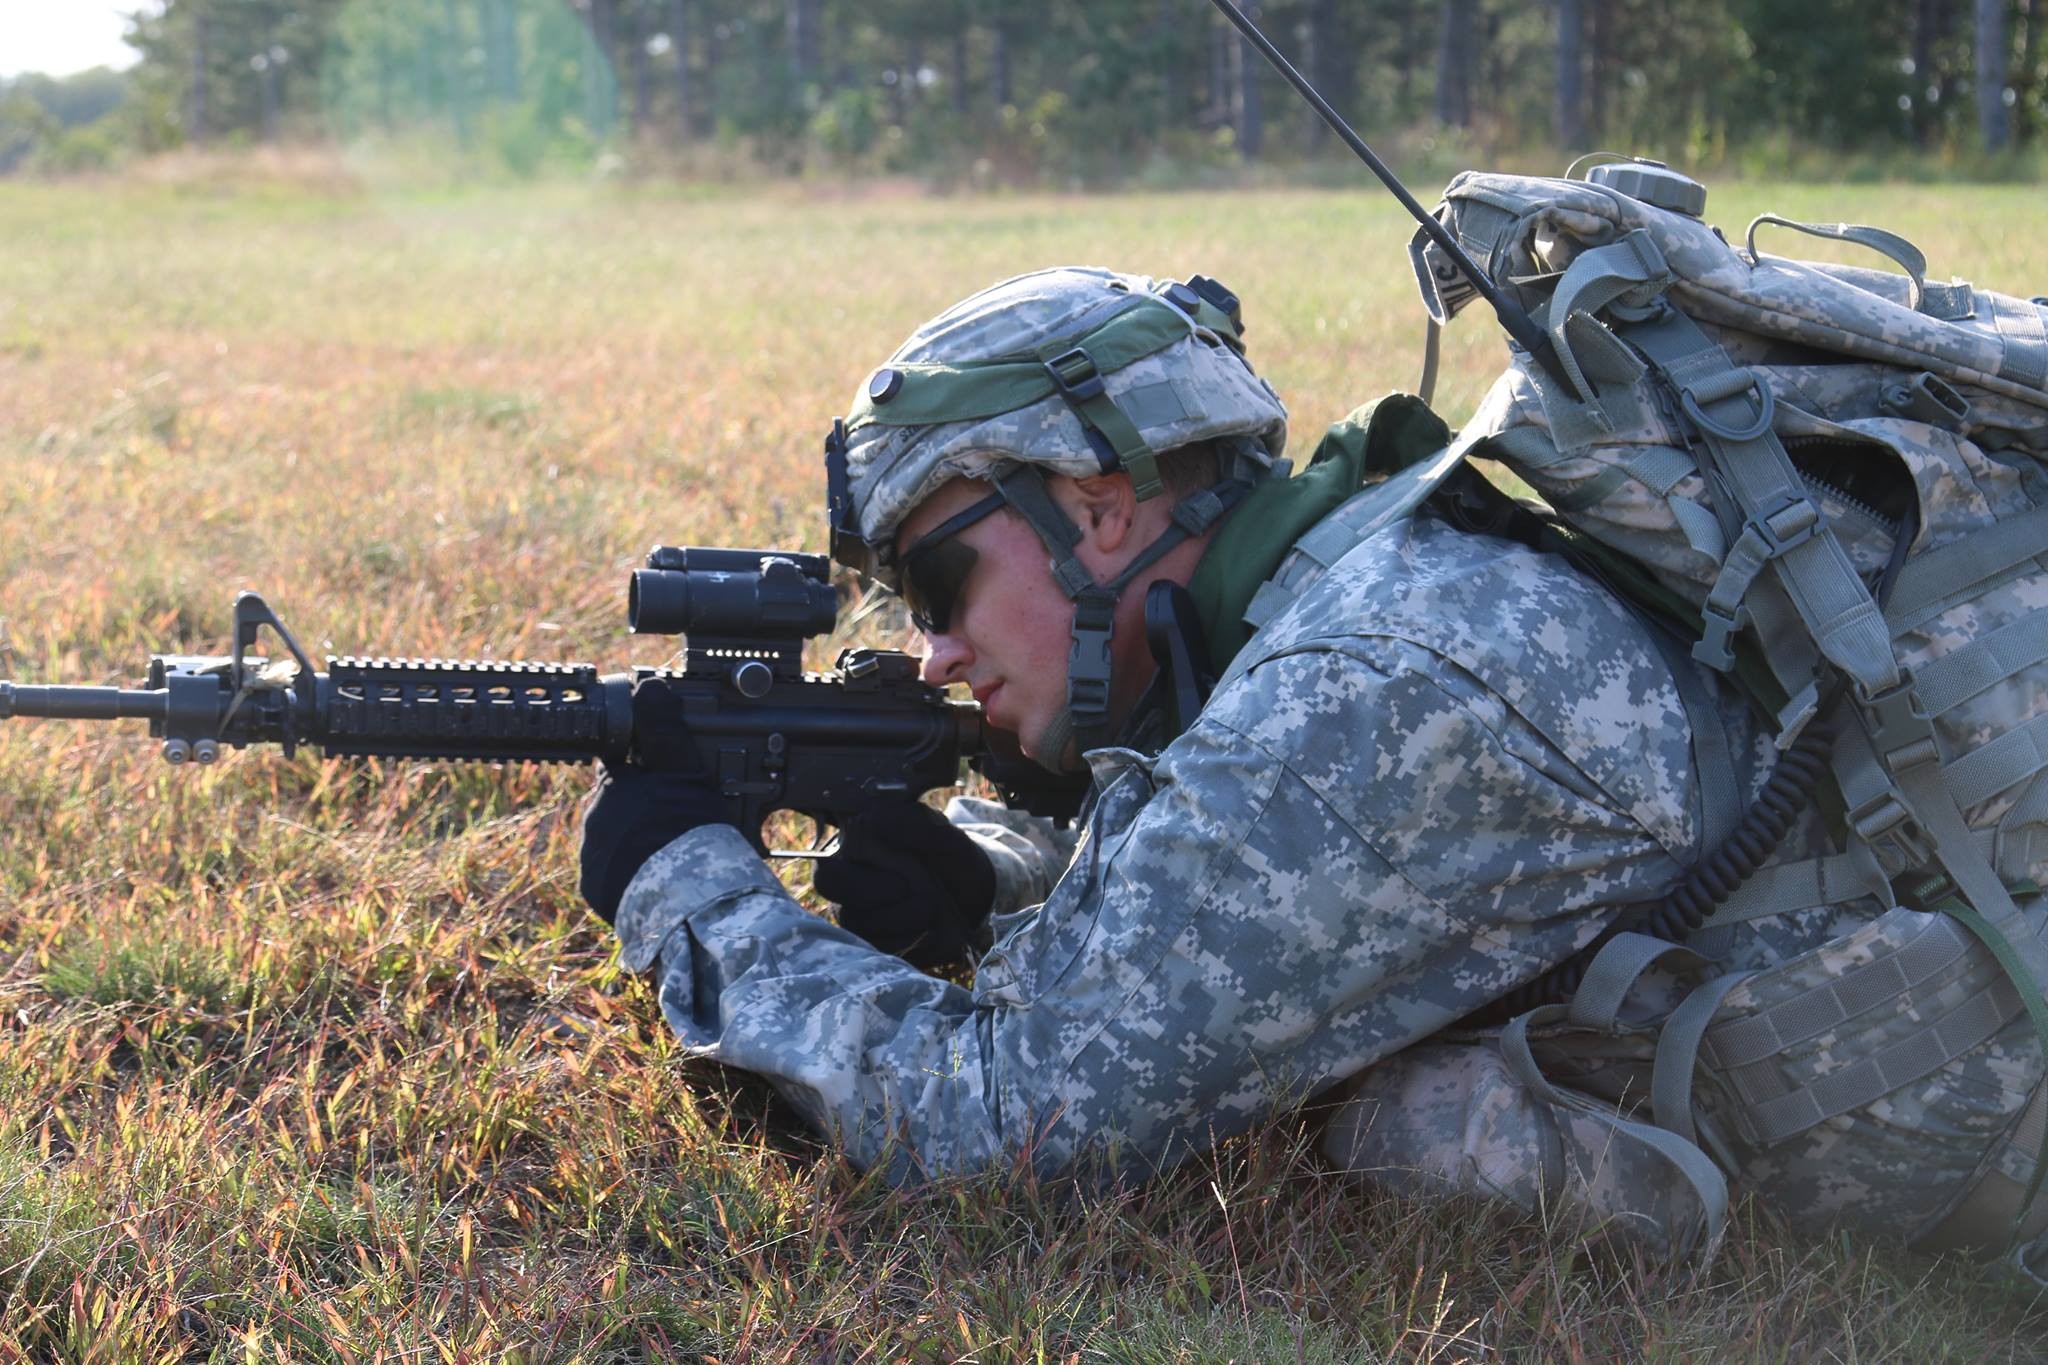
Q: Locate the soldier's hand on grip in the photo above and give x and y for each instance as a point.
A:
(911, 883)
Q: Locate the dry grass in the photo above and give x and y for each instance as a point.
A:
(306, 1061)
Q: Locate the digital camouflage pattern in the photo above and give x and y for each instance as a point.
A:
(1898, 1166)
(1450, 1118)
(1896, 1103)
(1195, 389)
(1027, 852)
(1618, 460)
(1451, 760)
(1445, 765)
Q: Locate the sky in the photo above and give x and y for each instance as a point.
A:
(60, 37)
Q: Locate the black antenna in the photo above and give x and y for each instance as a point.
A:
(1512, 315)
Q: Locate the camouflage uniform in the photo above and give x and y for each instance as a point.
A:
(1443, 768)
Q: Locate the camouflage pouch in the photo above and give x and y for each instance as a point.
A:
(1881, 1081)
(1843, 474)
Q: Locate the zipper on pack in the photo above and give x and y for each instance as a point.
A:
(1823, 487)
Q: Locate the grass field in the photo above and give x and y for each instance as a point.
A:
(300, 1060)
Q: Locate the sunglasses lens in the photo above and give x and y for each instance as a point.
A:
(932, 578)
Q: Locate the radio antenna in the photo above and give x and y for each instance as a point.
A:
(1513, 317)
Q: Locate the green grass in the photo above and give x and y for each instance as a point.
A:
(300, 1060)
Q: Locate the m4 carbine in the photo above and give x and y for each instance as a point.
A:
(770, 735)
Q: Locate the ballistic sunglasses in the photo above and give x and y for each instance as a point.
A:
(935, 568)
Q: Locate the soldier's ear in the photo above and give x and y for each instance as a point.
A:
(1104, 506)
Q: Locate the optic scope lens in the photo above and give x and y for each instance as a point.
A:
(776, 601)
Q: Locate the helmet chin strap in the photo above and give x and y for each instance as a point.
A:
(1054, 739)
(1085, 719)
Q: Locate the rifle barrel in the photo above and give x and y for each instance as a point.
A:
(82, 703)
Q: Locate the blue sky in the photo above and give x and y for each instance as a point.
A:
(63, 36)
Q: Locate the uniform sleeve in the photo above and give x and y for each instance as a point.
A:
(1347, 852)
(1027, 852)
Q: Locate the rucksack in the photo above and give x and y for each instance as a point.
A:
(1837, 480)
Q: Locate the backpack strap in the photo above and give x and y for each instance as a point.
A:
(1808, 884)
(2020, 830)
(1984, 1217)
(1731, 409)
(1678, 1048)
(1889, 767)
(1682, 1158)
(1935, 580)
(1908, 257)
(2024, 338)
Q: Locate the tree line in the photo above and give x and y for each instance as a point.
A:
(1083, 89)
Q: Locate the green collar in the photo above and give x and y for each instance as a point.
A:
(1374, 441)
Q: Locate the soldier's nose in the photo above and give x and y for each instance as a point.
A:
(946, 659)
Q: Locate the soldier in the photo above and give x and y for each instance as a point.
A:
(1396, 769)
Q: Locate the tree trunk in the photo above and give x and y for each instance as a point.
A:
(957, 76)
(453, 44)
(2030, 70)
(714, 62)
(1454, 65)
(639, 70)
(679, 40)
(500, 68)
(1598, 64)
(1162, 54)
(385, 58)
(1926, 80)
(266, 81)
(1222, 42)
(1994, 119)
(600, 77)
(1404, 83)
(266, 84)
(1571, 74)
(195, 112)
(1332, 63)
(999, 73)
(803, 39)
(1246, 64)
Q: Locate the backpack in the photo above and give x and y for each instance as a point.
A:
(1837, 479)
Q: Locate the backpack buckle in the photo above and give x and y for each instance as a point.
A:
(1789, 525)
(1075, 376)
(1716, 627)
(1887, 826)
(1925, 398)
(1900, 731)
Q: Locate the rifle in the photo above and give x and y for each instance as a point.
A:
(772, 736)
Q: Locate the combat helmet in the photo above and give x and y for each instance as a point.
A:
(1074, 370)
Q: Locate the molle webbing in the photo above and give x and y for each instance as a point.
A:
(1671, 439)
(1903, 799)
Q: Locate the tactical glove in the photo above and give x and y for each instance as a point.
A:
(638, 810)
(911, 883)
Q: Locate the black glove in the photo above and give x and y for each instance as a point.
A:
(636, 811)
(909, 882)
